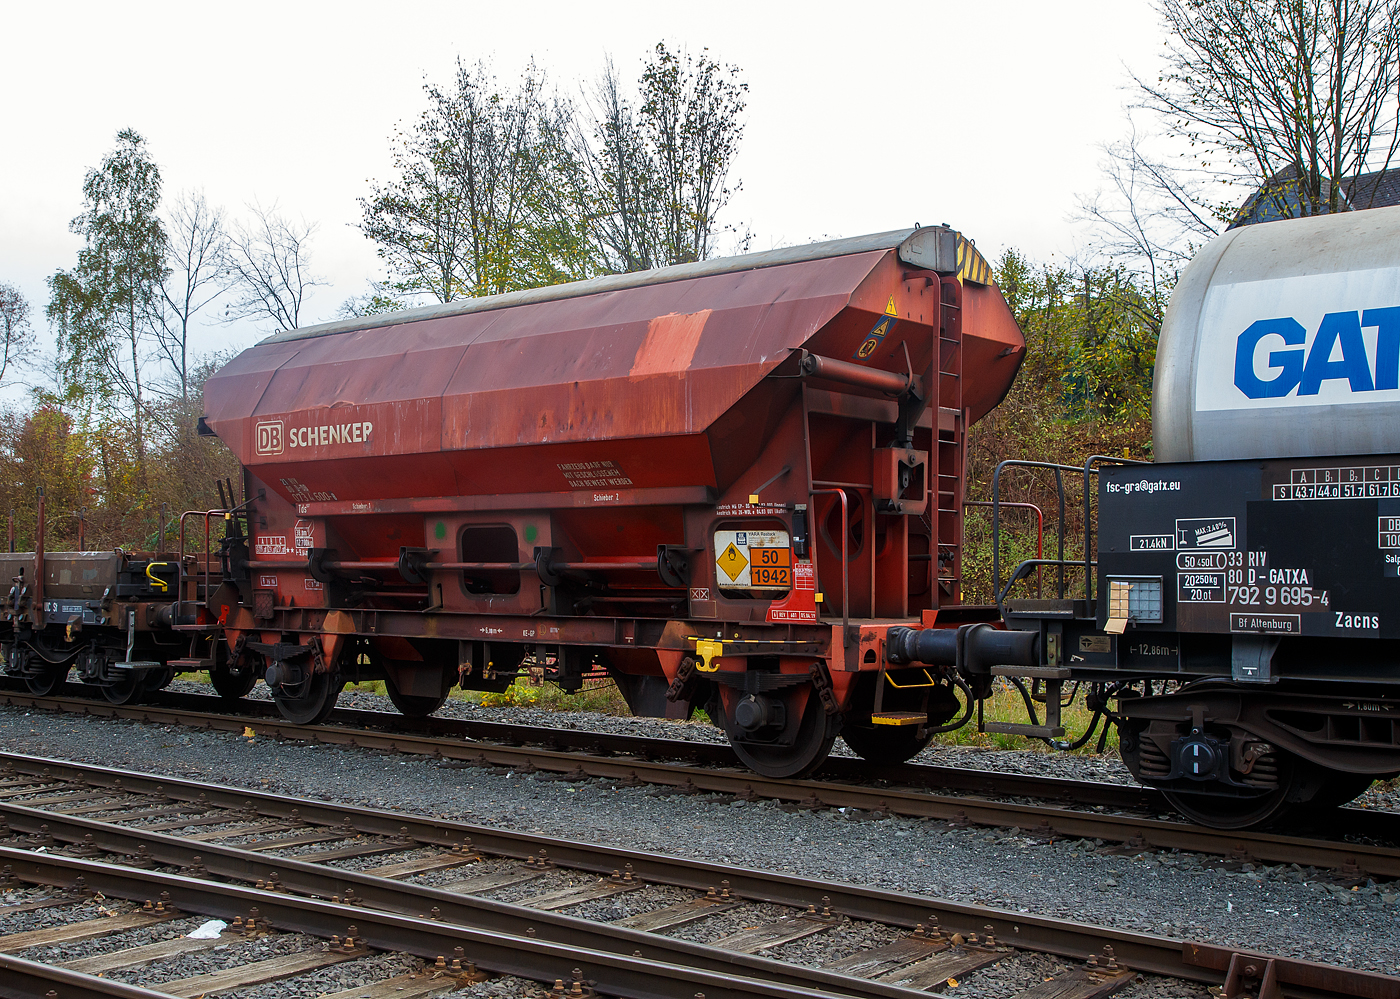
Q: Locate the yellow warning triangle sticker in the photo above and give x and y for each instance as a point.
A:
(890, 310)
(732, 562)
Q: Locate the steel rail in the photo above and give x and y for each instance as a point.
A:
(305, 877)
(1381, 862)
(503, 953)
(21, 979)
(1078, 941)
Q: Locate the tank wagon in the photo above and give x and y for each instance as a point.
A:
(1245, 606)
(720, 483)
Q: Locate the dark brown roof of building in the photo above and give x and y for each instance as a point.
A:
(1377, 189)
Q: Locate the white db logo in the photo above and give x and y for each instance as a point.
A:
(269, 437)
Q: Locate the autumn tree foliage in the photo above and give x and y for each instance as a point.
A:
(111, 440)
(502, 187)
(106, 308)
(44, 449)
(1085, 388)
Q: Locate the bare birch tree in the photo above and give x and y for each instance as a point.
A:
(197, 254)
(269, 265)
(1265, 110)
(1148, 221)
(623, 189)
(16, 333)
(658, 167)
(690, 114)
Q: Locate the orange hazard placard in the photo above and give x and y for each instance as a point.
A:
(753, 560)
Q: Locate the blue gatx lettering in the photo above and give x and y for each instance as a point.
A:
(1305, 369)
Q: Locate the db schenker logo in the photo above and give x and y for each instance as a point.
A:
(269, 437)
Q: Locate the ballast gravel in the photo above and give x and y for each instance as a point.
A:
(231, 952)
(846, 937)
(631, 903)
(139, 937)
(60, 915)
(1298, 912)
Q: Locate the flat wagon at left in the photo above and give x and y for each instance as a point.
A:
(126, 621)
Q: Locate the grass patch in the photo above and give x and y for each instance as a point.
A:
(1005, 705)
(368, 687)
(600, 696)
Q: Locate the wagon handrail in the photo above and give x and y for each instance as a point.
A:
(1039, 529)
(180, 590)
(1089, 469)
(1060, 524)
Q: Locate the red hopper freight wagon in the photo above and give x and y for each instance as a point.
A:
(718, 483)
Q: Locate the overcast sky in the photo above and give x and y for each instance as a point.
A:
(862, 117)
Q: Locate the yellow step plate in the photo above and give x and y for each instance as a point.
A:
(899, 718)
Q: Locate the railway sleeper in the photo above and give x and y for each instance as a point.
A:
(282, 968)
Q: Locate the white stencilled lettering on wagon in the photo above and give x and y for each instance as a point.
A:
(326, 434)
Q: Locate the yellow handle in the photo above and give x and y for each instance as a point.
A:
(905, 686)
(708, 651)
(156, 581)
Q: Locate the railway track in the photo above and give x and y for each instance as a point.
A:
(988, 799)
(170, 846)
(718, 754)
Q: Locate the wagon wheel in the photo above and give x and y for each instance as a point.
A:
(128, 690)
(409, 705)
(308, 702)
(1340, 788)
(1221, 807)
(806, 751)
(886, 744)
(413, 705)
(231, 685)
(159, 679)
(48, 682)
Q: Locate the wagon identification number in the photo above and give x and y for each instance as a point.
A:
(271, 544)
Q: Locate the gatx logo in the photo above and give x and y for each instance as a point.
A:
(270, 436)
(1338, 352)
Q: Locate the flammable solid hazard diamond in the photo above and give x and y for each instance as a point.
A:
(732, 561)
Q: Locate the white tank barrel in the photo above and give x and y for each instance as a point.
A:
(1283, 340)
